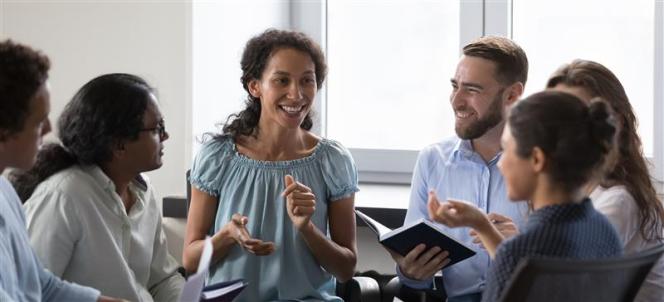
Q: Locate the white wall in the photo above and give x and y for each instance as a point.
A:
(86, 38)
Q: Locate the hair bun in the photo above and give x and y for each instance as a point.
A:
(601, 123)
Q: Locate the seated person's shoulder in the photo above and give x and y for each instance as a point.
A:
(442, 148)
(217, 144)
(332, 148)
(614, 197)
(72, 179)
(215, 150)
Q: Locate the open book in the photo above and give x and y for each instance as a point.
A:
(194, 290)
(402, 240)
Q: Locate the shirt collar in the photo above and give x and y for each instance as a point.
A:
(138, 186)
(463, 150)
(100, 177)
(560, 213)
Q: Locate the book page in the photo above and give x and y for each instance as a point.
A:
(376, 226)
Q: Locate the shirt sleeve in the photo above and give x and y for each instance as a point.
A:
(620, 208)
(165, 283)
(4, 296)
(507, 257)
(54, 289)
(53, 227)
(339, 172)
(209, 165)
(417, 208)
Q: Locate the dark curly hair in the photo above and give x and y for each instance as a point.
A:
(629, 168)
(22, 71)
(574, 137)
(255, 57)
(106, 111)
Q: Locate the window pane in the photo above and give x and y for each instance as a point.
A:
(220, 31)
(390, 66)
(618, 34)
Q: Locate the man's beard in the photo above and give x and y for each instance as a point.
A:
(481, 126)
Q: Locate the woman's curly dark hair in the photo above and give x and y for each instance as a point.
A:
(255, 57)
(22, 71)
(105, 112)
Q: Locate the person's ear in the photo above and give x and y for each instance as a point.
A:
(514, 92)
(538, 160)
(255, 88)
(119, 149)
(4, 135)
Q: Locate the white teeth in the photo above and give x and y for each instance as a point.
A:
(462, 114)
(292, 109)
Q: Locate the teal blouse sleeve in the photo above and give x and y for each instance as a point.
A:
(210, 164)
(339, 171)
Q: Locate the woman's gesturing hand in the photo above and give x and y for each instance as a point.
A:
(300, 202)
(237, 229)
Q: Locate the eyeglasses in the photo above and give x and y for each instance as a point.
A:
(159, 129)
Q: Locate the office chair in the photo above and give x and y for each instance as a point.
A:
(358, 289)
(561, 280)
(394, 289)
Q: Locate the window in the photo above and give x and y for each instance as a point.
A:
(390, 68)
(390, 61)
(620, 36)
(388, 86)
(219, 33)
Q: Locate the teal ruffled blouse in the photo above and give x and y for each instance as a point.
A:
(253, 188)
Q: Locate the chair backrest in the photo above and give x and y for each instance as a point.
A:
(580, 280)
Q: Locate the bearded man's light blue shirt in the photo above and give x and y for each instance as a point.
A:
(455, 171)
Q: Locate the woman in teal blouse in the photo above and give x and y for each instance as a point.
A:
(276, 199)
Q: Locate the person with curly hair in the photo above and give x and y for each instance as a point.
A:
(623, 191)
(268, 190)
(24, 108)
(92, 215)
(543, 165)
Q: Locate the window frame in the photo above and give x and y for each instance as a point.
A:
(478, 18)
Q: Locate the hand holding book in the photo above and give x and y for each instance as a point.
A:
(421, 248)
(421, 263)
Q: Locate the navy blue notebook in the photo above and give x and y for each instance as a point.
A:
(223, 291)
(402, 240)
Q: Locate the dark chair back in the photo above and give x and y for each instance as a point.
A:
(561, 280)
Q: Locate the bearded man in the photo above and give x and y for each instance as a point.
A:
(490, 76)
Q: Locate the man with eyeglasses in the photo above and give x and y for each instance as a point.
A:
(92, 215)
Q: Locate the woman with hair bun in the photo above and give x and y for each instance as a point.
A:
(543, 163)
(623, 190)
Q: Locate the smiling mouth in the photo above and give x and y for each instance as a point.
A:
(292, 109)
(462, 114)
